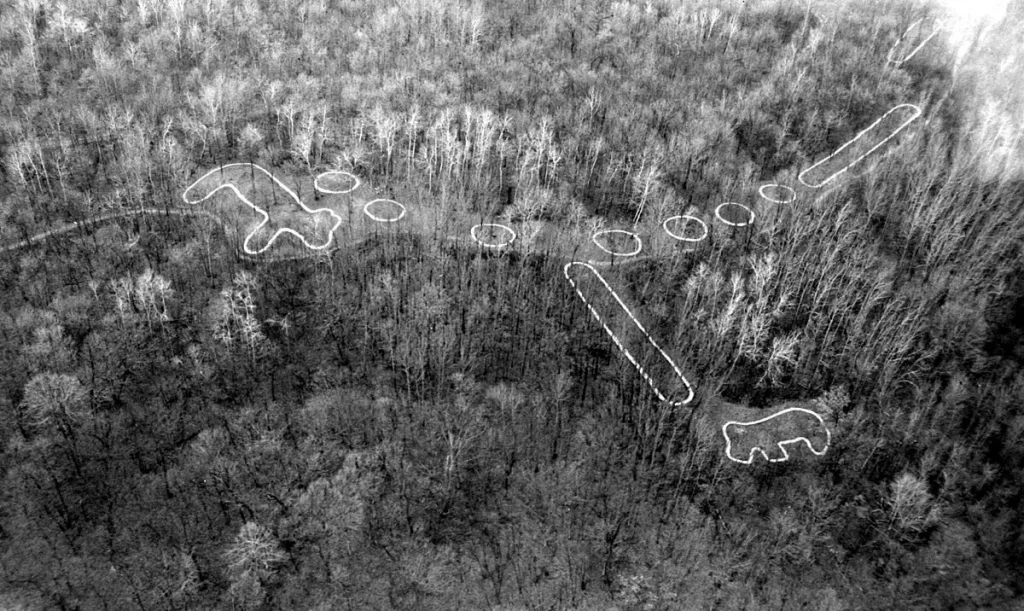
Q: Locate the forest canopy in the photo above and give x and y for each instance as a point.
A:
(201, 411)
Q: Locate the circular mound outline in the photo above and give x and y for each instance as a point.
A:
(730, 223)
(380, 219)
(664, 225)
(792, 192)
(639, 242)
(316, 183)
(474, 228)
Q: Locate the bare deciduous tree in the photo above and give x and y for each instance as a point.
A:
(55, 398)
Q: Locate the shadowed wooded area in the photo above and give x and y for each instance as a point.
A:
(410, 421)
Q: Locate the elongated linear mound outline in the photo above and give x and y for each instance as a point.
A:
(782, 444)
(718, 214)
(475, 228)
(262, 212)
(381, 219)
(629, 356)
(355, 182)
(897, 62)
(703, 225)
(639, 243)
(788, 200)
(917, 113)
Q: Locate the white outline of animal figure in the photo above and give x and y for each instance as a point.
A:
(782, 444)
(262, 212)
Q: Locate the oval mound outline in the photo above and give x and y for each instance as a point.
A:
(718, 214)
(355, 184)
(689, 218)
(381, 219)
(792, 193)
(639, 243)
(473, 234)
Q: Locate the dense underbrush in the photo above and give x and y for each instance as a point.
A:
(410, 423)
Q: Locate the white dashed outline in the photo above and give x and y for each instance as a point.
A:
(917, 114)
(629, 356)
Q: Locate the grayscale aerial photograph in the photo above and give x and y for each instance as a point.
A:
(511, 305)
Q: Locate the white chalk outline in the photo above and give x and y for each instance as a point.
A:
(618, 343)
(316, 183)
(474, 228)
(718, 214)
(664, 225)
(639, 242)
(262, 212)
(800, 176)
(782, 444)
(760, 191)
(381, 219)
(888, 57)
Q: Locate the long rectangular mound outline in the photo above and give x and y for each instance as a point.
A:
(629, 356)
(831, 177)
(781, 444)
(917, 24)
(263, 213)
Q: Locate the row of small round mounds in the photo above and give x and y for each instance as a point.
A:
(684, 228)
(337, 182)
(487, 235)
(691, 230)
